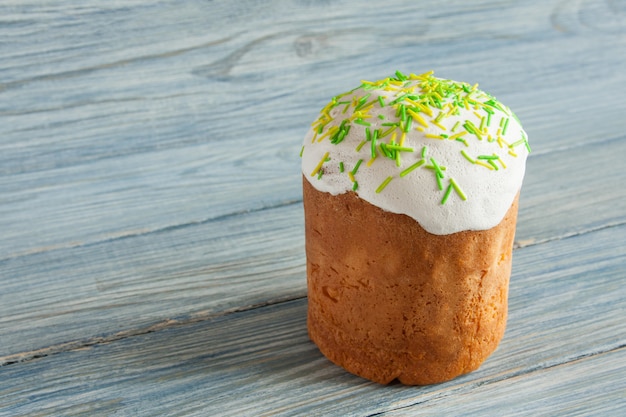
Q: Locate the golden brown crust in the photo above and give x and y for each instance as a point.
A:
(389, 300)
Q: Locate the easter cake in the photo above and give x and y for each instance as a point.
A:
(410, 190)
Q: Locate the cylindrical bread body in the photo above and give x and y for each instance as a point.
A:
(387, 299)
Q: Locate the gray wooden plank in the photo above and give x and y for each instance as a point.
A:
(183, 274)
(591, 386)
(117, 134)
(130, 284)
(567, 305)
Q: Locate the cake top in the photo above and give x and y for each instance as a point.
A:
(443, 152)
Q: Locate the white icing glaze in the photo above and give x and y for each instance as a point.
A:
(489, 192)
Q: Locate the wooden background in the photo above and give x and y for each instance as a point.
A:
(151, 226)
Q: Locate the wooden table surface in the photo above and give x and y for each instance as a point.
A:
(151, 225)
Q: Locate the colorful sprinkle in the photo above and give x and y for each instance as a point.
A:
(383, 184)
(421, 103)
(412, 167)
(319, 165)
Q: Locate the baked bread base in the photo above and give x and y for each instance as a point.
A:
(388, 300)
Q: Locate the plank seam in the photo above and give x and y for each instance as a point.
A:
(523, 243)
(126, 235)
(166, 324)
(502, 377)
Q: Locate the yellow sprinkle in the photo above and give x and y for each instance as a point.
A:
(358, 148)
(329, 132)
(423, 76)
(486, 165)
(419, 119)
(402, 138)
(393, 137)
(319, 165)
(314, 137)
(420, 128)
(425, 109)
(478, 115)
(432, 136)
(351, 176)
(457, 135)
(438, 125)
(502, 163)
(370, 162)
(512, 153)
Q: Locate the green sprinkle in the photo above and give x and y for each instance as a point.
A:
(526, 142)
(381, 117)
(361, 102)
(320, 129)
(466, 156)
(488, 157)
(387, 132)
(368, 134)
(396, 124)
(341, 166)
(380, 100)
(401, 76)
(446, 195)
(483, 120)
(489, 113)
(412, 167)
(356, 167)
(362, 122)
(386, 152)
(301, 151)
(506, 124)
(319, 174)
(463, 141)
(355, 185)
(458, 189)
(403, 113)
(400, 148)
(373, 147)
(455, 126)
(358, 148)
(470, 127)
(407, 124)
(439, 184)
(493, 164)
(437, 168)
(519, 142)
(399, 99)
(341, 133)
(424, 152)
(383, 184)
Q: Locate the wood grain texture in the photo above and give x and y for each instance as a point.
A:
(150, 200)
(260, 362)
(132, 283)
